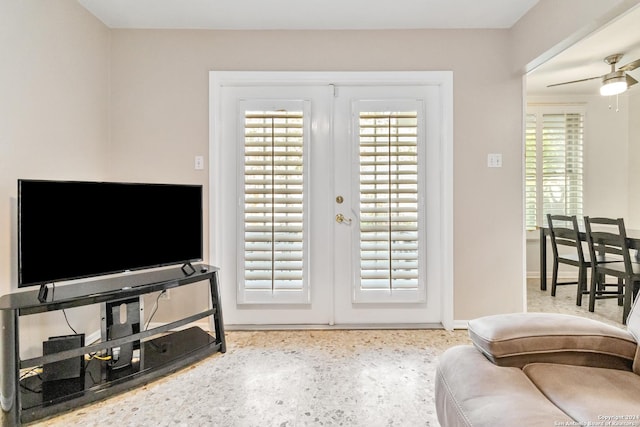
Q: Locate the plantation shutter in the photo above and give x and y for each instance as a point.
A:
(559, 172)
(389, 214)
(562, 164)
(273, 204)
(531, 193)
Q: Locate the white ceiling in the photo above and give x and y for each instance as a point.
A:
(582, 60)
(585, 58)
(308, 14)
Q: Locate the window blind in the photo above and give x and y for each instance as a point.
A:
(273, 200)
(388, 145)
(531, 186)
(562, 164)
(556, 163)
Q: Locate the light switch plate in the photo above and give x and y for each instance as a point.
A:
(494, 160)
(199, 163)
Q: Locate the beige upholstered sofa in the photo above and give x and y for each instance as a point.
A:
(542, 369)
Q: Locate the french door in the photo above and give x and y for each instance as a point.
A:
(326, 202)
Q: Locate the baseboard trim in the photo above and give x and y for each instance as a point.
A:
(350, 326)
(92, 338)
(460, 324)
(561, 275)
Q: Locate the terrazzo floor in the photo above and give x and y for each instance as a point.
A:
(606, 310)
(305, 378)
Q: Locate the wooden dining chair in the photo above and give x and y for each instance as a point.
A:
(564, 232)
(609, 237)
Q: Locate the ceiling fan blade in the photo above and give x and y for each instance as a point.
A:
(575, 81)
(630, 80)
(630, 66)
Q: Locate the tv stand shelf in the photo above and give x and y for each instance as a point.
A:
(161, 350)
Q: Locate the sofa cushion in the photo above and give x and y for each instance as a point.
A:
(521, 338)
(472, 391)
(589, 395)
(633, 326)
(633, 321)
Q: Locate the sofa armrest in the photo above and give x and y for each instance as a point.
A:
(522, 338)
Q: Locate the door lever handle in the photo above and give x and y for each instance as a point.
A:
(343, 219)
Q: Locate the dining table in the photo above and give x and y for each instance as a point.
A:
(633, 241)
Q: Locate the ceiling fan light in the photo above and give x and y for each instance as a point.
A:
(613, 83)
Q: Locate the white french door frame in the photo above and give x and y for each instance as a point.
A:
(442, 80)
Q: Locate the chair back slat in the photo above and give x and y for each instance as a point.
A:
(607, 236)
(608, 243)
(564, 231)
(565, 242)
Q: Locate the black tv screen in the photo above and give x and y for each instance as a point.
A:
(71, 229)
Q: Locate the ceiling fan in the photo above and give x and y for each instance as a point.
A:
(615, 81)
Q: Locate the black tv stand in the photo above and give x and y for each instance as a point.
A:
(162, 349)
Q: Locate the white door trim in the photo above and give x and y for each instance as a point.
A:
(442, 79)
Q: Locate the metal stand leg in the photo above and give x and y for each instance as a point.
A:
(217, 316)
(9, 396)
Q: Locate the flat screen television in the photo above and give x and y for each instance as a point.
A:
(71, 229)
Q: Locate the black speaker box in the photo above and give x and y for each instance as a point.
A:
(67, 368)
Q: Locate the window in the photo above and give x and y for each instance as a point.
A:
(553, 163)
(389, 200)
(273, 208)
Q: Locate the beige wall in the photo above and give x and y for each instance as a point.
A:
(84, 102)
(159, 82)
(54, 86)
(159, 105)
(634, 159)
